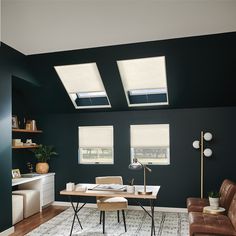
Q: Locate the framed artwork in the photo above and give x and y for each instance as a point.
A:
(15, 124)
(15, 173)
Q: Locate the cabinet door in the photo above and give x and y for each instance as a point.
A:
(48, 191)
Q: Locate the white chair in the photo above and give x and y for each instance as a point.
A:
(31, 201)
(113, 203)
(17, 208)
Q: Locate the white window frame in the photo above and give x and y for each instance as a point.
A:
(92, 137)
(135, 75)
(136, 142)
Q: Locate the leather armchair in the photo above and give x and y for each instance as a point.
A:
(207, 224)
(227, 190)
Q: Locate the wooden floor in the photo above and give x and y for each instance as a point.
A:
(32, 222)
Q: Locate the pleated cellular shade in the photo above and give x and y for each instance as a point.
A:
(143, 73)
(95, 136)
(153, 135)
(80, 78)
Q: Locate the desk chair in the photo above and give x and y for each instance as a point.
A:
(113, 203)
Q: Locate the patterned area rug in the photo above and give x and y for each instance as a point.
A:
(137, 221)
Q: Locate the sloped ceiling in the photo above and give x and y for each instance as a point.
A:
(200, 73)
(33, 27)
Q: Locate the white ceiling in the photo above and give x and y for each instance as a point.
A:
(40, 26)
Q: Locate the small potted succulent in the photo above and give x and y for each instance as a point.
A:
(43, 154)
(214, 198)
(130, 186)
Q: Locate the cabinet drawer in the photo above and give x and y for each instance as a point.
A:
(47, 186)
(48, 200)
(48, 197)
(48, 179)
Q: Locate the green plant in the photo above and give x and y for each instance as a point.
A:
(213, 194)
(43, 153)
(131, 182)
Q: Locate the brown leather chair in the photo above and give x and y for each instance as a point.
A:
(208, 224)
(227, 190)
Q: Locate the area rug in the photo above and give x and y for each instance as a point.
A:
(137, 221)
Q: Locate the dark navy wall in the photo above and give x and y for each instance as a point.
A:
(178, 180)
(200, 73)
(12, 63)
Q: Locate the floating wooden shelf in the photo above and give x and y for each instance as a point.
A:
(26, 131)
(25, 147)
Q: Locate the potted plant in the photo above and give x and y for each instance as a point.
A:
(43, 154)
(214, 198)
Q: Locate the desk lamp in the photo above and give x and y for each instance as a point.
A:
(136, 165)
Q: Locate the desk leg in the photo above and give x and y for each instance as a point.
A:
(152, 205)
(76, 210)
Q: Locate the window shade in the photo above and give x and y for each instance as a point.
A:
(80, 78)
(150, 135)
(96, 136)
(143, 73)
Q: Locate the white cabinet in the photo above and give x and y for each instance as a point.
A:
(48, 192)
(45, 184)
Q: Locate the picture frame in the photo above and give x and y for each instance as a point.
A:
(16, 173)
(15, 124)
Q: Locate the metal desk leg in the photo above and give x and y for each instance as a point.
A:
(152, 205)
(76, 210)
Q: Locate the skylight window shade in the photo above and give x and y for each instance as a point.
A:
(84, 85)
(144, 81)
(96, 145)
(150, 143)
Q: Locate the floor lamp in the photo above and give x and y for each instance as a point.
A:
(203, 153)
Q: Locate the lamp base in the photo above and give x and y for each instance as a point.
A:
(145, 193)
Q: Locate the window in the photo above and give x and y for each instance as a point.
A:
(144, 81)
(150, 144)
(84, 85)
(96, 145)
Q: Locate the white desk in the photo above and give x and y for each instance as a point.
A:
(43, 183)
(91, 193)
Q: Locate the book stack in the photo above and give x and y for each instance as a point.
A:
(17, 142)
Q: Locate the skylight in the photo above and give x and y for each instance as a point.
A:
(144, 81)
(84, 85)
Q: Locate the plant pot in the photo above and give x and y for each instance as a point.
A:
(214, 203)
(42, 168)
(130, 189)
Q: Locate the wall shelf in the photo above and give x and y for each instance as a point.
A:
(25, 147)
(26, 131)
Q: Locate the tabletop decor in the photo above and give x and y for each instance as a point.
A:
(43, 154)
(136, 165)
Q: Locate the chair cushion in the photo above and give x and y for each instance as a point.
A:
(210, 224)
(112, 199)
(196, 204)
(112, 204)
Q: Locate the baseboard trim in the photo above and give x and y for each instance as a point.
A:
(8, 231)
(93, 205)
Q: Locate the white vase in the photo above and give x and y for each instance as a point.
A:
(214, 203)
(130, 189)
